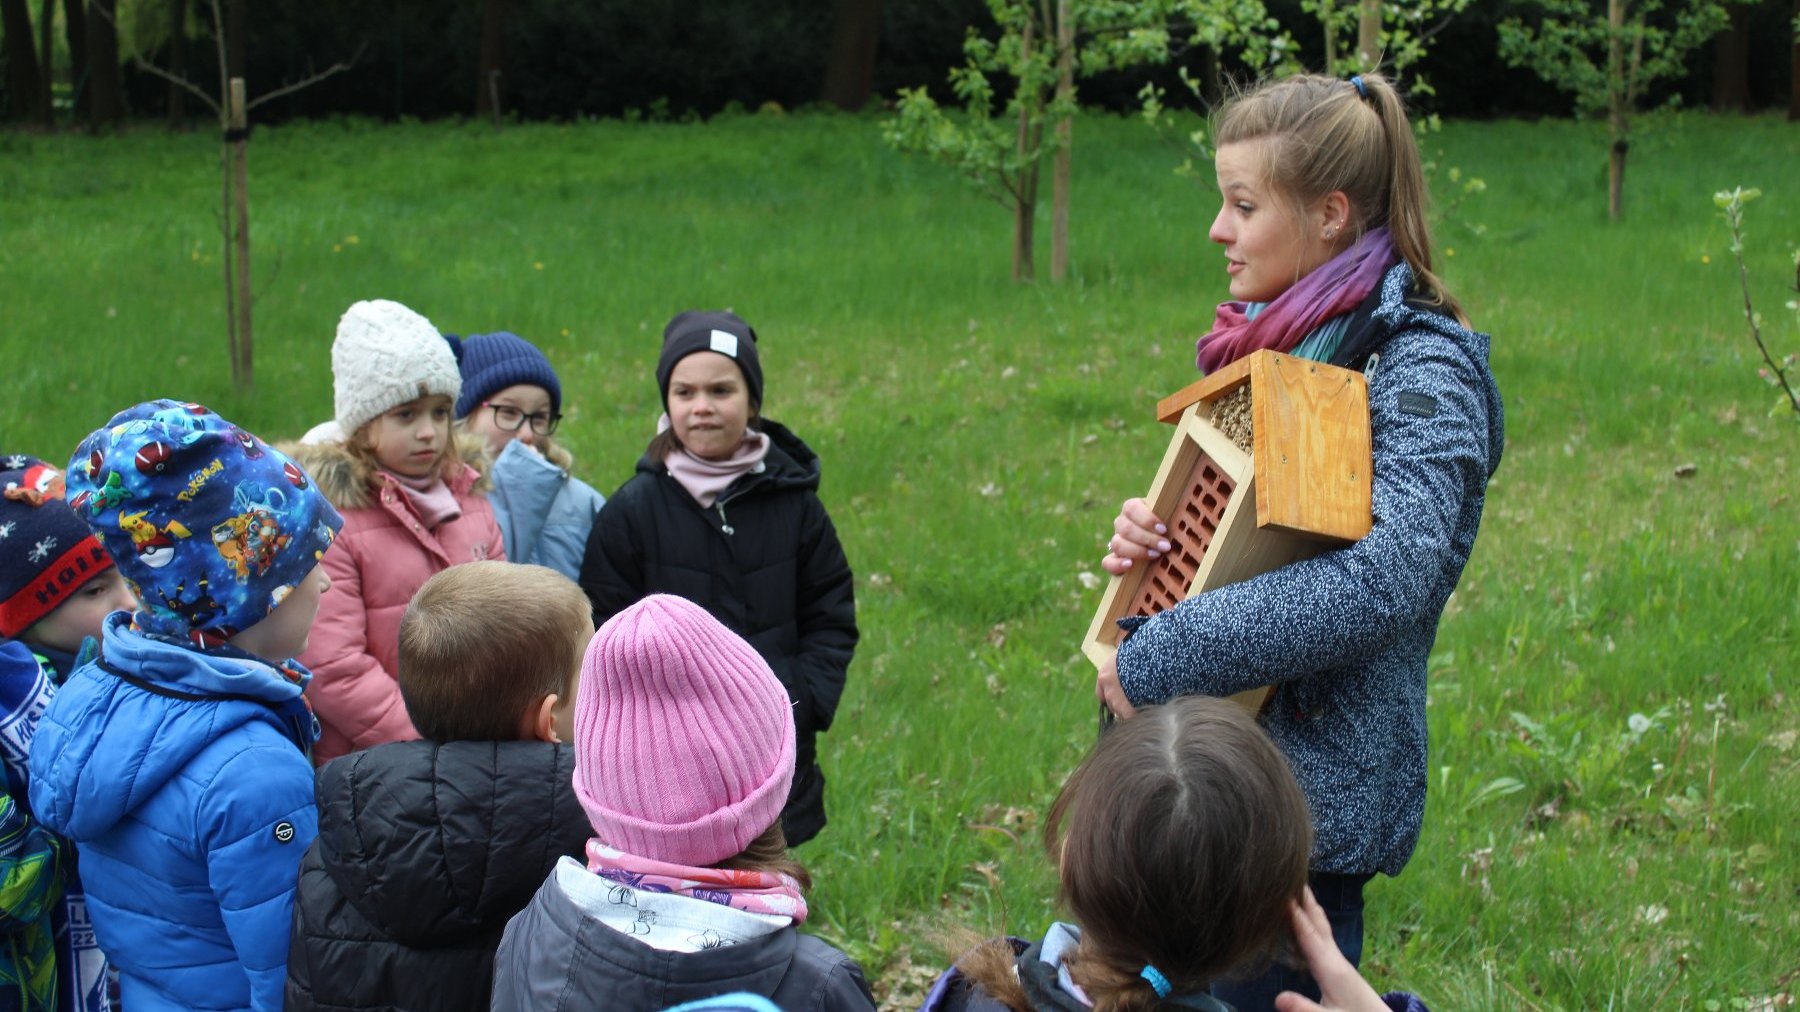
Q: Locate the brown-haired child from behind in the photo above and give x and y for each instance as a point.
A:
(426, 848)
(1181, 843)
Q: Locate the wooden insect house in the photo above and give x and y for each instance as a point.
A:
(1270, 464)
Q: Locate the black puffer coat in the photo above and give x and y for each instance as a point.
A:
(765, 561)
(424, 852)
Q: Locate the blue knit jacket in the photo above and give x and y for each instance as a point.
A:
(1344, 636)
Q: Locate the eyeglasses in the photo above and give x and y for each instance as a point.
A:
(508, 419)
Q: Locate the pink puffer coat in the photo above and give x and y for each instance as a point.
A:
(379, 560)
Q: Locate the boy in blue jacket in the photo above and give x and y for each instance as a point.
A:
(178, 760)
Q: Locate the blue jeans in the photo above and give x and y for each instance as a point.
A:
(1341, 896)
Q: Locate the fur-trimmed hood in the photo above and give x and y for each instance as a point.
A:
(348, 479)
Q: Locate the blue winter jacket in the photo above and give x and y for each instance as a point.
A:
(1344, 636)
(544, 512)
(182, 778)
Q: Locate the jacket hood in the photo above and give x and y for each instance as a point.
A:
(434, 842)
(348, 479)
(790, 463)
(115, 744)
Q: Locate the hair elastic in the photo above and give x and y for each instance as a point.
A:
(1158, 982)
(1361, 88)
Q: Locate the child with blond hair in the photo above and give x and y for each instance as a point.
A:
(414, 504)
(427, 848)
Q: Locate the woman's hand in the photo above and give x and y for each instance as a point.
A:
(1138, 536)
(1340, 985)
(1110, 693)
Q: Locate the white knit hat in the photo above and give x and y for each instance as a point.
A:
(385, 355)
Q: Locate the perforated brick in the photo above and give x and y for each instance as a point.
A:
(1197, 515)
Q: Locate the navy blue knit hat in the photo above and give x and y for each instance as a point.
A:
(493, 362)
(46, 552)
(210, 526)
(722, 332)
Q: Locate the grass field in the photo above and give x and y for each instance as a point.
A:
(1615, 778)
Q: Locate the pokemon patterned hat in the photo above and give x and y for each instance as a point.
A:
(46, 552)
(210, 526)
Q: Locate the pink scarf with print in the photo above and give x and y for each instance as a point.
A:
(758, 892)
(1333, 288)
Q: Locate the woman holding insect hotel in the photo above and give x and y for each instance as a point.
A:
(1324, 231)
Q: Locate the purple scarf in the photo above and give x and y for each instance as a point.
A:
(1335, 287)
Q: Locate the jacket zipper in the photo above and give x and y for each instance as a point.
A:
(724, 525)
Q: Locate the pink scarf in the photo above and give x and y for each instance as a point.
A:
(705, 479)
(758, 892)
(431, 498)
(1333, 288)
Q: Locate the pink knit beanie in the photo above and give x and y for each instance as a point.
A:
(684, 739)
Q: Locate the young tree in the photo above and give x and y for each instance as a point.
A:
(1606, 53)
(1042, 48)
(232, 108)
(1389, 34)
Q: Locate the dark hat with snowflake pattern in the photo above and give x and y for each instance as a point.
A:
(46, 552)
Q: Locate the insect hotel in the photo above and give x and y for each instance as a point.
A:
(1269, 464)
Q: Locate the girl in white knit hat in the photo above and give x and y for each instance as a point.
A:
(684, 752)
(414, 503)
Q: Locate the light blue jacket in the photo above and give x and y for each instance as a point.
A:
(545, 512)
(1344, 636)
(182, 778)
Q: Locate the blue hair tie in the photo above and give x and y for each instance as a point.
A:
(1158, 982)
(1361, 88)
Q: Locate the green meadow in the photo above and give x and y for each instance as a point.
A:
(1615, 777)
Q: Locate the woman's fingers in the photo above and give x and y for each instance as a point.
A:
(1137, 533)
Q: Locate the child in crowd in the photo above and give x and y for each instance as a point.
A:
(1181, 842)
(413, 501)
(177, 760)
(684, 752)
(427, 848)
(1324, 229)
(57, 585)
(512, 399)
(724, 510)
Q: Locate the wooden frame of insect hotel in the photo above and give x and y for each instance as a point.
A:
(1270, 464)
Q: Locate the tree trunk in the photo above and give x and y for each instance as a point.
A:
(237, 33)
(47, 64)
(1617, 115)
(177, 61)
(850, 70)
(1794, 72)
(75, 36)
(23, 86)
(1368, 34)
(1731, 59)
(1025, 199)
(1329, 23)
(1065, 139)
(492, 60)
(237, 256)
(106, 101)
